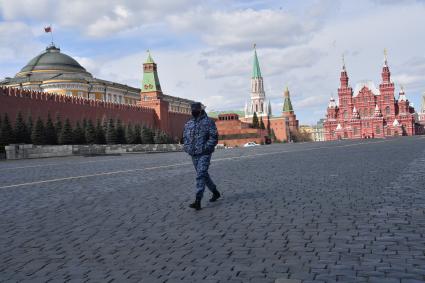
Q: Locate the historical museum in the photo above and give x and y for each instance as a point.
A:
(368, 111)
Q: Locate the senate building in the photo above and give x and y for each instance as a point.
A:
(55, 72)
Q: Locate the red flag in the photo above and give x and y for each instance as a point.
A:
(48, 29)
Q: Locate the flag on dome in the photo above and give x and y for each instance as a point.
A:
(48, 29)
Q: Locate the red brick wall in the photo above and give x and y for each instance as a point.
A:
(176, 123)
(40, 104)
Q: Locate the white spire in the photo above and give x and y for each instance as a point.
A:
(377, 111)
(355, 114)
(396, 123)
(338, 127)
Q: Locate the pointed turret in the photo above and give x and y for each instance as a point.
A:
(402, 95)
(377, 111)
(344, 76)
(270, 109)
(355, 114)
(256, 72)
(386, 74)
(287, 105)
(151, 88)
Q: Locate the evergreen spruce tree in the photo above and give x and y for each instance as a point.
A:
(120, 132)
(262, 126)
(269, 133)
(157, 137)
(147, 135)
(84, 125)
(90, 133)
(111, 134)
(66, 135)
(6, 133)
(129, 134)
(79, 135)
(100, 133)
(30, 125)
(58, 127)
(137, 134)
(38, 135)
(20, 129)
(255, 123)
(50, 131)
(273, 136)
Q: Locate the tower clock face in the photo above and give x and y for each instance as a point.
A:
(146, 86)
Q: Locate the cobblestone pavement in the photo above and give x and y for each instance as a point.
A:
(351, 211)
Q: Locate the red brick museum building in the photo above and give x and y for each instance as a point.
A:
(368, 111)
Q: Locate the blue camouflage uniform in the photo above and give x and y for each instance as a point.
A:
(200, 138)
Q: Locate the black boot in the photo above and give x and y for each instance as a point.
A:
(196, 205)
(216, 196)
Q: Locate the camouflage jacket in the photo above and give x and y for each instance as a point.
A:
(200, 135)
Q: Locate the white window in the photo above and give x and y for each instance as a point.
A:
(115, 98)
(109, 97)
(80, 94)
(120, 99)
(69, 93)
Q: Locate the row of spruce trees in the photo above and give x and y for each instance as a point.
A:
(84, 132)
(259, 124)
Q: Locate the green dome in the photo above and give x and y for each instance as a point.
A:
(52, 60)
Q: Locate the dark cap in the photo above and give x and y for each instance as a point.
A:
(196, 106)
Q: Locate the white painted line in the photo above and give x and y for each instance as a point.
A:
(175, 165)
(65, 163)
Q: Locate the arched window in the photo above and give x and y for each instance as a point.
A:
(387, 110)
(387, 99)
(370, 112)
(378, 129)
(345, 114)
(355, 131)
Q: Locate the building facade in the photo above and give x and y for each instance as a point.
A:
(234, 132)
(56, 84)
(369, 111)
(318, 132)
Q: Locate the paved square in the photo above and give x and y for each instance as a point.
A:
(297, 211)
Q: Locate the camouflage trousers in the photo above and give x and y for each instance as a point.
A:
(201, 163)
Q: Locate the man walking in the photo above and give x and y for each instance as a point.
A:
(200, 138)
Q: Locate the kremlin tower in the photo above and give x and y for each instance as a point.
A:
(258, 103)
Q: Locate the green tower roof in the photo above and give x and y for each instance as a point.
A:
(256, 73)
(287, 105)
(150, 82)
(149, 59)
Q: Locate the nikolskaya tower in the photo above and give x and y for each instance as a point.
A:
(258, 102)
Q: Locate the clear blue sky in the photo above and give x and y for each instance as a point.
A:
(204, 48)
